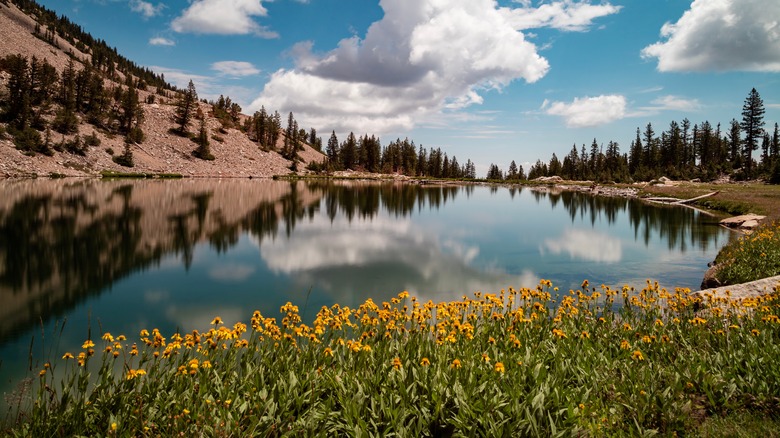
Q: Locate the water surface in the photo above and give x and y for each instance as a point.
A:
(120, 256)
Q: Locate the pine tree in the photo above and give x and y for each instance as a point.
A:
(332, 151)
(203, 151)
(126, 159)
(131, 116)
(753, 127)
(185, 108)
(348, 152)
(17, 108)
(512, 172)
(734, 140)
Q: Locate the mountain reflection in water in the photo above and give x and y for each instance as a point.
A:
(64, 241)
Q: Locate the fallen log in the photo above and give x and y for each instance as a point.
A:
(663, 200)
(686, 201)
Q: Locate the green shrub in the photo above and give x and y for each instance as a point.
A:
(751, 257)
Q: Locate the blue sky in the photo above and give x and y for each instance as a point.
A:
(493, 81)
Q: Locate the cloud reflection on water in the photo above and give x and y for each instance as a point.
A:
(382, 257)
(588, 245)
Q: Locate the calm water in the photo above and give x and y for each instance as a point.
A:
(120, 256)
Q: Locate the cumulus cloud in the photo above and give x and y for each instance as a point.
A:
(223, 17)
(235, 68)
(589, 111)
(421, 58)
(724, 35)
(160, 41)
(146, 9)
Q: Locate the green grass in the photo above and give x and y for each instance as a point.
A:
(751, 257)
(735, 199)
(528, 362)
(740, 425)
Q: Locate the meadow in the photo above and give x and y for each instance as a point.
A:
(595, 361)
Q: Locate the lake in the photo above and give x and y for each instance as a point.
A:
(120, 256)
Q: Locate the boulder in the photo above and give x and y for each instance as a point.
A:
(743, 222)
(749, 225)
(711, 278)
(549, 179)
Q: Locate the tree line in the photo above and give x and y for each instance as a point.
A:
(743, 150)
(39, 99)
(102, 57)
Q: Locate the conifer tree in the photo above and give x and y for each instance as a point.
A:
(512, 172)
(185, 108)
(203, 151)
(753, 127)
(332, 151)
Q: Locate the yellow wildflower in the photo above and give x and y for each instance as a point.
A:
(87, 344)
(216, 321)
(485, 358)
(624, 345)
(455, 364)
(425, 362)
(328, 352)
(755, 332)
(67, 356)
(397, 363)
(499, 367)
(637, 355)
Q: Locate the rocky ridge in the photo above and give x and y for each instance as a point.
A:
(161, 151)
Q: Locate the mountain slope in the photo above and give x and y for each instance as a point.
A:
(160, 152)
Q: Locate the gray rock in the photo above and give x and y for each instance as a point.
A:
(711, 278)
(746, 221)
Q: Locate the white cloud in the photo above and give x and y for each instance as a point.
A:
(146, 9)
(224, 17)
(235, 68)
(676, 103)
(160, 41)
(722, 35)
(589, 111)
(181, 78)
(564, 15)
(209, 88)
(423, 57)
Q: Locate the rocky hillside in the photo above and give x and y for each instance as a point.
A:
(160, 152)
